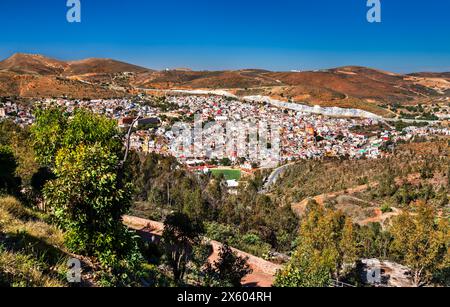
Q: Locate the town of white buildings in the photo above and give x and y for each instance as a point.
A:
(302, 135)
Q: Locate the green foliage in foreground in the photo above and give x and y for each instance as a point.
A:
(327, 242)
(89, 194)
(9, 183)
(180, 236)
(303, 274)
(422, 243)
(54, 130)
(229, 269)
(88, 200)
(329, 247)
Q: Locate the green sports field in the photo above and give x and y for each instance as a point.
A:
(229, 174)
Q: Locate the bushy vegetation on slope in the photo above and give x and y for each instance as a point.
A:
(32, 252)
(70, 171)
(72, 207)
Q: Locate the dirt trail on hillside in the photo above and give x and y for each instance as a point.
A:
(300, 208)
(263, 274)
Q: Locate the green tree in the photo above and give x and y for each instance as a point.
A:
(347, 247)
(8, 129)
(48, 132)
(327, 245)
(225, 162)
(374, 242)
(180, 236)
(89, 193)
(194, 205)
(387, 185)
(217, 189)
(88, 199)
(426, 172)
(420, 242)
(9, 183)
(40, 178)
(303, 272)
(229, 269)
(18, 139)
(54, 130)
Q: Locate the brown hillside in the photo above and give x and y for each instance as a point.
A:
(56, 86)
(32, 64)
(351, 86)
(358, 82)
(100, 66)
(443, 75)
(204, 79)
(31, 86)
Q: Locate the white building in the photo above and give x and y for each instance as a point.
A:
(232, 184)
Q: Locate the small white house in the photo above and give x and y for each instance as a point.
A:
(232, 184)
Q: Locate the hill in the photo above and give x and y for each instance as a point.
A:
(360, 188)
(440, 82)
(100, 66)
(34, 76)
(32, 64)
(204, 79)
(348, 87)
(34, 86)
(443, 75)
(36, 64)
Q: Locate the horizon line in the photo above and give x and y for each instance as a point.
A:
(188, 68)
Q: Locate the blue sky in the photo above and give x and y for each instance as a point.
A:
(231, 34)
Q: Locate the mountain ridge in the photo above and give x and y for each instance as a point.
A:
(20, 55)
(34, 75)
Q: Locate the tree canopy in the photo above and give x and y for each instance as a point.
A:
(88, 194)
(327, 242)
(9, 183)
(54, 130)
(180, 235)
(425, 248)
(229, 269)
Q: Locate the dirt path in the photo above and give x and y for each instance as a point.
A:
(263, 274)
(378, 216)
(300, 208)
(381, 217)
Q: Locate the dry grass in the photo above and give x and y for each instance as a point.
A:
(14, 208)
(19, 270)
(32, 252)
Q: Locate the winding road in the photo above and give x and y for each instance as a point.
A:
(273, 177)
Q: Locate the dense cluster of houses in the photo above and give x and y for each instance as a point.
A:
(19, 113)
(301, 135)
(118, 109)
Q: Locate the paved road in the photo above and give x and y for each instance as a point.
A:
(292, 106)
(411, 120)
(273, 177)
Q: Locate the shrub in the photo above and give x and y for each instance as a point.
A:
(9, 183)
(386, 208)
(229, 269)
